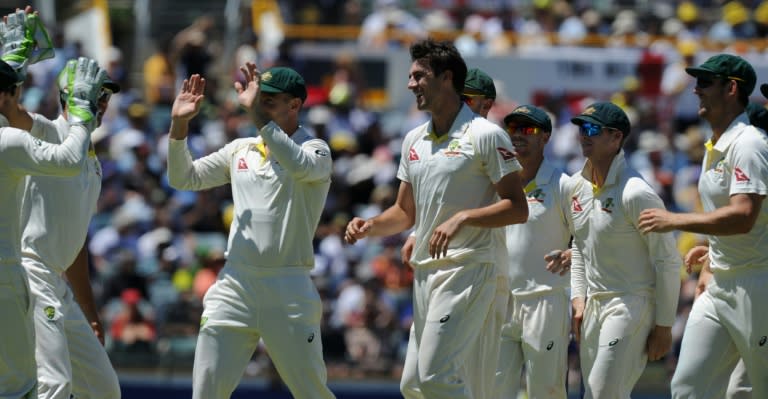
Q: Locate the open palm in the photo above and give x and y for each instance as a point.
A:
(247, 95)
(187, 103)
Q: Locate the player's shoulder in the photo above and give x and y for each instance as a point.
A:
(483, 127)
(752, 139)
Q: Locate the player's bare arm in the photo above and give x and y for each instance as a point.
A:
(695, 256)
(80, 281)
(186, 106)
(512, 208)
(659, 342)
(737, 217)
(398, 217)
(704, 276)
(407, 250)
(577, 310)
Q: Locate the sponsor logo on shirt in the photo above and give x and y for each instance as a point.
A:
(311, 337)
(241, 164)
(445, 318)
(740, 175)
(608, 205)
(322, 153)
(412, 155)
(505, 153)
(575, 204)
(536, 195)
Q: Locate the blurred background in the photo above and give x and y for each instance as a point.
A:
(155, 251)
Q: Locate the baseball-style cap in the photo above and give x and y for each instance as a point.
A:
(605, 114)
(283, 80)
(478, 82)
(530, 114)
(8, 76)
(727, 66)
(758, 115)
(764, 89)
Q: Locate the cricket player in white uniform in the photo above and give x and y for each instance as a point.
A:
(280, 181)
(21, 155)
(56, 213)
(727, 322)
(459, 180)
(625, 284)
(536, 333)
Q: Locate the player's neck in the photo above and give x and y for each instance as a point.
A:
(531, 167)
(443, 117)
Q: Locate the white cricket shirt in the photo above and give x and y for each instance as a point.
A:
(279, 187)
(452, 173)
(737, 164)
(56, 211)
(22, 154)
(611, 256)
(545, 230)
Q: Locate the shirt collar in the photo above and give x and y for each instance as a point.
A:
(733, 131)
(458, 128)
(545, 173)
(617, 165)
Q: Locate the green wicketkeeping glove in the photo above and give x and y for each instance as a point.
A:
(24, 40)
(84, 79)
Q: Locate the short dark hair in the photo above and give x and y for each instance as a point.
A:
(441, 57)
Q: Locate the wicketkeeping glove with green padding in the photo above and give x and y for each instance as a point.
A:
(24, 40)
(84, 79)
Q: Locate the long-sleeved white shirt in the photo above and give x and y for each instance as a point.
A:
(21, 154)
(610, 255)
(737, 164)
(545, 230)
(56, 211)
(454, 172)
(279, 187)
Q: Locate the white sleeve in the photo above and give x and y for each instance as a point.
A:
(310, 161)
(662, 253)
(206, 172)
(30, 155)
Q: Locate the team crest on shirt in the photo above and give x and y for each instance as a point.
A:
(536, 195)
(608, 205)
(453, 149)
(575, 204)
(50, 312)
(413, 155)
(241, 164)
(203, 320)
(741, 177)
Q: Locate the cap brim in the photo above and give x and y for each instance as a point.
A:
(764, 89)
(265, 88)
(521, 117)
(698, 71)
(579, 120)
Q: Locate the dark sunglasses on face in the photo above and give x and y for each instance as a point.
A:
(524, 130)
(588, 129)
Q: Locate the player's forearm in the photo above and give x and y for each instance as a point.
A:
(499, 214)
(727, 220)
(667, 295)
(392, 221)
(79, 279)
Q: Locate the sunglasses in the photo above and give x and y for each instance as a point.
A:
(524, 130)
(588, 129)
(702, 82)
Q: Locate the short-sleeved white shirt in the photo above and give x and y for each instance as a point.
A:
(454, 172)
(738, 164)
(56, 211)
(545, 230)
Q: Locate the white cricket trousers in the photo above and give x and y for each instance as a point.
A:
(727, 322)
(614, 333)
(246, 304)
(535, 337)
(70, 358)
(456, 323)
(17, 335)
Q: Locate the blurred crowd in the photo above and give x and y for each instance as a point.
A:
(155, 251)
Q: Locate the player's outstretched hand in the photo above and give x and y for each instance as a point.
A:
(24, 39)
(357, 228)
(190, 98)
(558, 262)
(695, 256)
(248, 95)
(84, 79)
(659, 342)
(656, 221)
